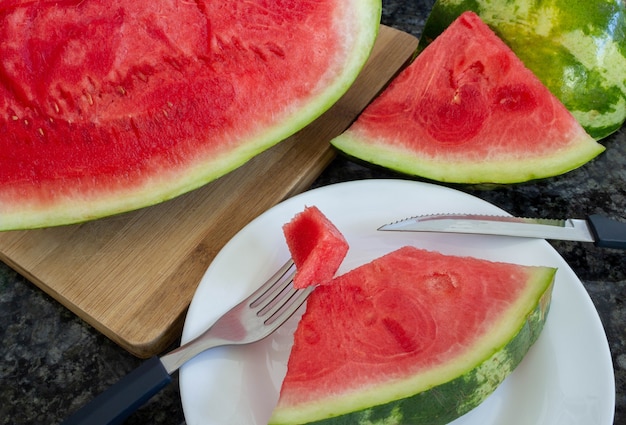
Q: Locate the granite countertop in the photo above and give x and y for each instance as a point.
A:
(51, 362)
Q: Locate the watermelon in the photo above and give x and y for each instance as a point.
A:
(317, 247)
(467, 110)
(413, 337)
(109, 105)
(576, 48)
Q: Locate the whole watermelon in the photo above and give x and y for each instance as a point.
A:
(577, 48)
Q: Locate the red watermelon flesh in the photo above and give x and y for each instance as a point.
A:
(109, 105)
(317, 247)
(467, 110)
(405, 324)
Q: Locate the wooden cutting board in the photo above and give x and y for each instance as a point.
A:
(132, 276)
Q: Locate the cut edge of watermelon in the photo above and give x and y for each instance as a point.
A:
(490, 161)
(519, 33)
(316, 245)
(489, 357)
(71, 209)
(582, 150)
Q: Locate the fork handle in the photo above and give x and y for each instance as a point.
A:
(117, 402)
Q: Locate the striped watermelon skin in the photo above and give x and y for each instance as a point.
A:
(467, 110)
(442, 405)
(335, 378)
(577, 48)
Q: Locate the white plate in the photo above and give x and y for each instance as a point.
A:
(565, 379)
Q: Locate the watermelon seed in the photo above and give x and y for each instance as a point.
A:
(258, 52)
(170, 105)
(275, 49)
(400, 335)
(456, 98)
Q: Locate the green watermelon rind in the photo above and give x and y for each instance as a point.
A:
(519, 169)
(564, 53)
(18, 213)
(445, 393)
(536, 153)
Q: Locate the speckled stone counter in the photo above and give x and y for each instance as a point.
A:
(51, 362)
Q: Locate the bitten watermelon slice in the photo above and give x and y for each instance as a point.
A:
(413, 337)
(468, 111)
(109, 105)
(317, 247)
(577, 49)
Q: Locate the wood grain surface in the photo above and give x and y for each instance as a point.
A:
(132, 276)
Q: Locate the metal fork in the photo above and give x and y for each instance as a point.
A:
(251, 320)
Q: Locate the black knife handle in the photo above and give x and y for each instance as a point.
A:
(116, 403)
(609, 233)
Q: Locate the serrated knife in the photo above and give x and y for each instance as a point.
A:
(602, 231)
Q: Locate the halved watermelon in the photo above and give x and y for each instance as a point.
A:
(577, 49)
(317, 247)
(468, 111)
(109, 105)
(414, 337)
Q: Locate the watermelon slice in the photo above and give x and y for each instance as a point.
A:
(108, 106)
(317, 247)
(413, 337)
(468, 111)
(577, 49)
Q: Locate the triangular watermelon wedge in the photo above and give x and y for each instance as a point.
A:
(317, 247)
(108, 106)
(467, 110)
(413, 337)
(577, 49)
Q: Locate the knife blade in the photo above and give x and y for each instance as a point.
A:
(602, 231)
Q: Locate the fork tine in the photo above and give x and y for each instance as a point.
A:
(279, 313)
(270, 287)
(269, 309)
(278, 294)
